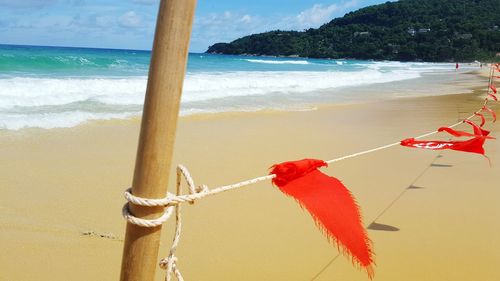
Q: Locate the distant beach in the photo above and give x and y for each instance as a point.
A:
(62, 187)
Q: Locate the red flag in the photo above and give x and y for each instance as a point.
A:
(493, 97)
(455, 133)
(485, 108)
(474, 145)
(493, 88)
(331, 205)
(478, 131)
(483, 120)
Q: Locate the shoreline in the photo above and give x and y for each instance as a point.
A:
(360, 94)
(339, 59)
(60, 186)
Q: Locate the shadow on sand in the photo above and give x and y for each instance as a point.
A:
(382, 227)
(441, 165)
(415, 187)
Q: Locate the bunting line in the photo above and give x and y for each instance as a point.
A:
(477, 130)
(313, 190)
(390, 145)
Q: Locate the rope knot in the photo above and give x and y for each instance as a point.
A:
(168, 262)
(173, 202)
(202, 189)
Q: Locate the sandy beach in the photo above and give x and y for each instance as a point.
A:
(435, 215)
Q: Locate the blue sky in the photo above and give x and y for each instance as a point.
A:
(129, 24)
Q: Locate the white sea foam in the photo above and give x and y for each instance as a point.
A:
(414, 66)
(66, 102)
(55, 120)
(278, 61)
(23, 91)
(30, 92)
(220, 85)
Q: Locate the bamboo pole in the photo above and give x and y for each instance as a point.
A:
(156, 141)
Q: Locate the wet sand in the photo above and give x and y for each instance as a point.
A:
(435, 215)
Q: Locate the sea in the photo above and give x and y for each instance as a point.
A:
(58, 87)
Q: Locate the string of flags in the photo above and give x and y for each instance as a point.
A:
(330, 203)
(473, 145)
(334, 208)
(480, 135)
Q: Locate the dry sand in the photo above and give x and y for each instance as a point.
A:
(57, 184)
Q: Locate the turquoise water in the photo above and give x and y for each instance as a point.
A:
(39, 61)
(51, 87)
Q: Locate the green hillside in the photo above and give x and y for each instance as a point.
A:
(407, 30)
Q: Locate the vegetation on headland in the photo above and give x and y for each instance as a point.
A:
(407, 30)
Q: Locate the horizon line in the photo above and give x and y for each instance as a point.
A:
(84, 47)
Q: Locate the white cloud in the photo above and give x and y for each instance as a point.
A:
(316, 15)
(246, 19)
(320, 14)
(130, 19)
(223, 27)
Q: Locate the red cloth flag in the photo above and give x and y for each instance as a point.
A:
(485, 108)
(474, 145)
(493, 97)
(478, 131)
(483, 120)
(455, 133)
(493, 88)
(331, 205)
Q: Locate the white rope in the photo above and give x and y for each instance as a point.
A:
(202, 191)
(388, 145)
(172, 201)
(146, 222)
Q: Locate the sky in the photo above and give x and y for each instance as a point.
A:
(129, 24)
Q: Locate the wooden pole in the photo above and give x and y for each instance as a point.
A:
(159, 122)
